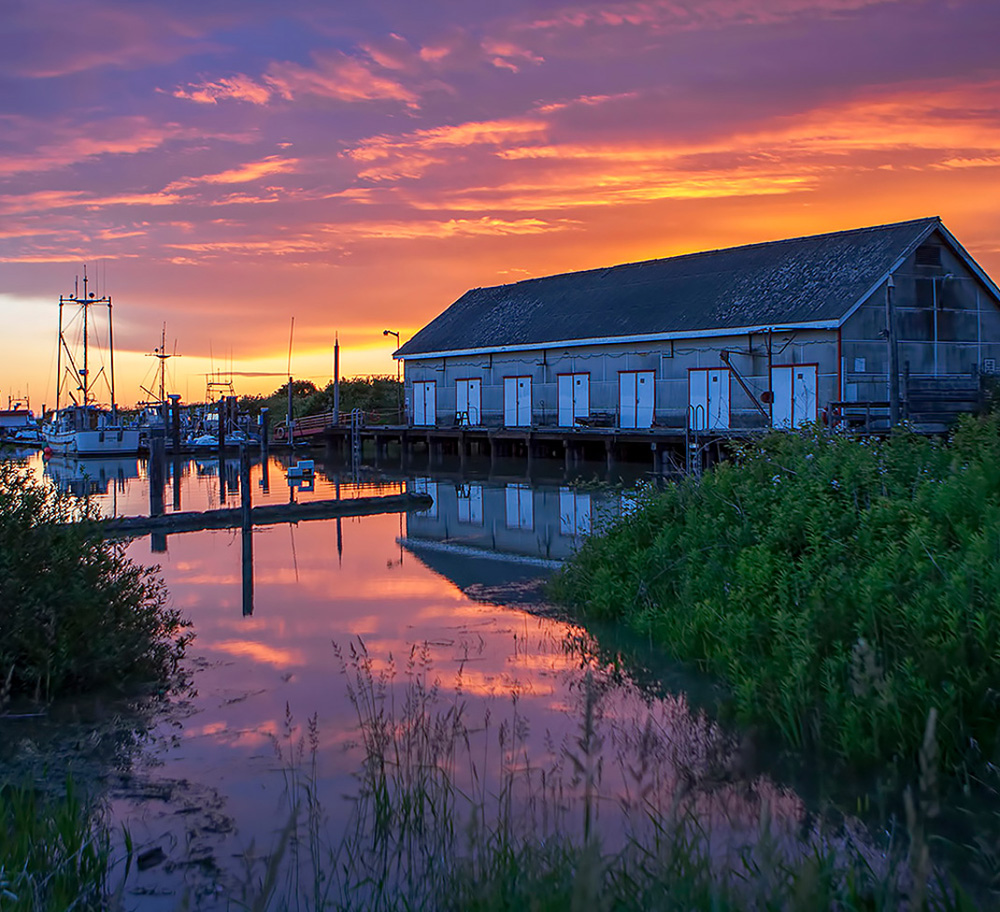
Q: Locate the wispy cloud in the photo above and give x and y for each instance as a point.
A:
(242, 174)
(63, 143)
(226, 88)
(332, 75)
(693, 14)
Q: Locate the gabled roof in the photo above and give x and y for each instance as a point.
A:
(809, 281)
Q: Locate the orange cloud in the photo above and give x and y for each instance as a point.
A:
(227, 88)
(922, 127)
(407, 156)
(481, 227)
(252, 171)
(337, 76)
(58, 146)
(260, 652)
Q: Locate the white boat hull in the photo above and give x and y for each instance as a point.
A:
(110, 441)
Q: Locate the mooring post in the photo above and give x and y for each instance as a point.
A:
(246, 500)
(175, 422)
(176, 469)
(222, 425)
(265, 432)
(156, 470)
(246, 531)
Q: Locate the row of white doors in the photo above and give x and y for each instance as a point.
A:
(794, 388)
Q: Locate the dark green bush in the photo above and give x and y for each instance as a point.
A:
(75, 612)
(841, 587)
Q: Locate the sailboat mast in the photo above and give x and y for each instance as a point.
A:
(163, 365)
(59, 378)
(84, 372)
(111, 351)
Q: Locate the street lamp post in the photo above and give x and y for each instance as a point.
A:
(399, 388)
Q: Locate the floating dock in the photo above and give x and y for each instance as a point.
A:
(266, 514)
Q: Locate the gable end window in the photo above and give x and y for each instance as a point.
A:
(928, 255)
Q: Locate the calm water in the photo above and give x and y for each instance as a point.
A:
(452, 594)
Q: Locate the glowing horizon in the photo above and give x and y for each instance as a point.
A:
(225, 168)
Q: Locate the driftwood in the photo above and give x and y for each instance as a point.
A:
(232, 517)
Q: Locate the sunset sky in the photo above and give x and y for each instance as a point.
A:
(225, 166)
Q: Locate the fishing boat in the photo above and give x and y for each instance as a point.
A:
(84, 427)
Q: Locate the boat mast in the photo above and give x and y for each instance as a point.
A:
(82, 374)
(111, 354)
(86, 320)
(59, 348)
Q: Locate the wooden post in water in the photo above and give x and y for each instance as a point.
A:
(176, 469)
(175, 423)
(264, 422)
(246, 504)
(156, 470)
(222, 425)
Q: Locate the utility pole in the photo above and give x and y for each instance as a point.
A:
(336, 379)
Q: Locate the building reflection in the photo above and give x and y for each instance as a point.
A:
(538, 523)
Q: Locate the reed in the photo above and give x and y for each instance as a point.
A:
(54, 852)
(452, 813)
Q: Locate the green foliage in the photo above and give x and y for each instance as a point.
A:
(51, 855)
(842, 587)
(75, 613)
(377, 396)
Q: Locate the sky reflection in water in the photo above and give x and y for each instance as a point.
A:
(394, 584)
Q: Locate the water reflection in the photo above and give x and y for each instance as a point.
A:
(87, 478)
(513, 520)
(448, 585)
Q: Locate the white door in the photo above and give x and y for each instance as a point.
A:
(425, 402)
(626, 399)
(574, 512)
(781, 389)
(470, 504)
(635, 399)
(718, 399)
(469, 402)
(517, 401)
(574, 398)
(520, 507)
(708, 398)
(795, 395)
(475, 401)
(565, 400)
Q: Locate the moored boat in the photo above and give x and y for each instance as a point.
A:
(84, 427)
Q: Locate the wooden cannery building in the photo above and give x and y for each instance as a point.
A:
(765, 335)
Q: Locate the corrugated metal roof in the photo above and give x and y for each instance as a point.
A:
(800, 280)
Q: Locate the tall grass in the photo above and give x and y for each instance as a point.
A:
(842, 588)
(53, 854)
(453, 813)
(75, 612)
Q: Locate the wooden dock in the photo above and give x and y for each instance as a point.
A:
(266, 514)
(668, 450)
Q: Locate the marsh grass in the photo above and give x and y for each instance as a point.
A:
(75, 613)
(841, 588)
(454, 813)
(55, 854)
